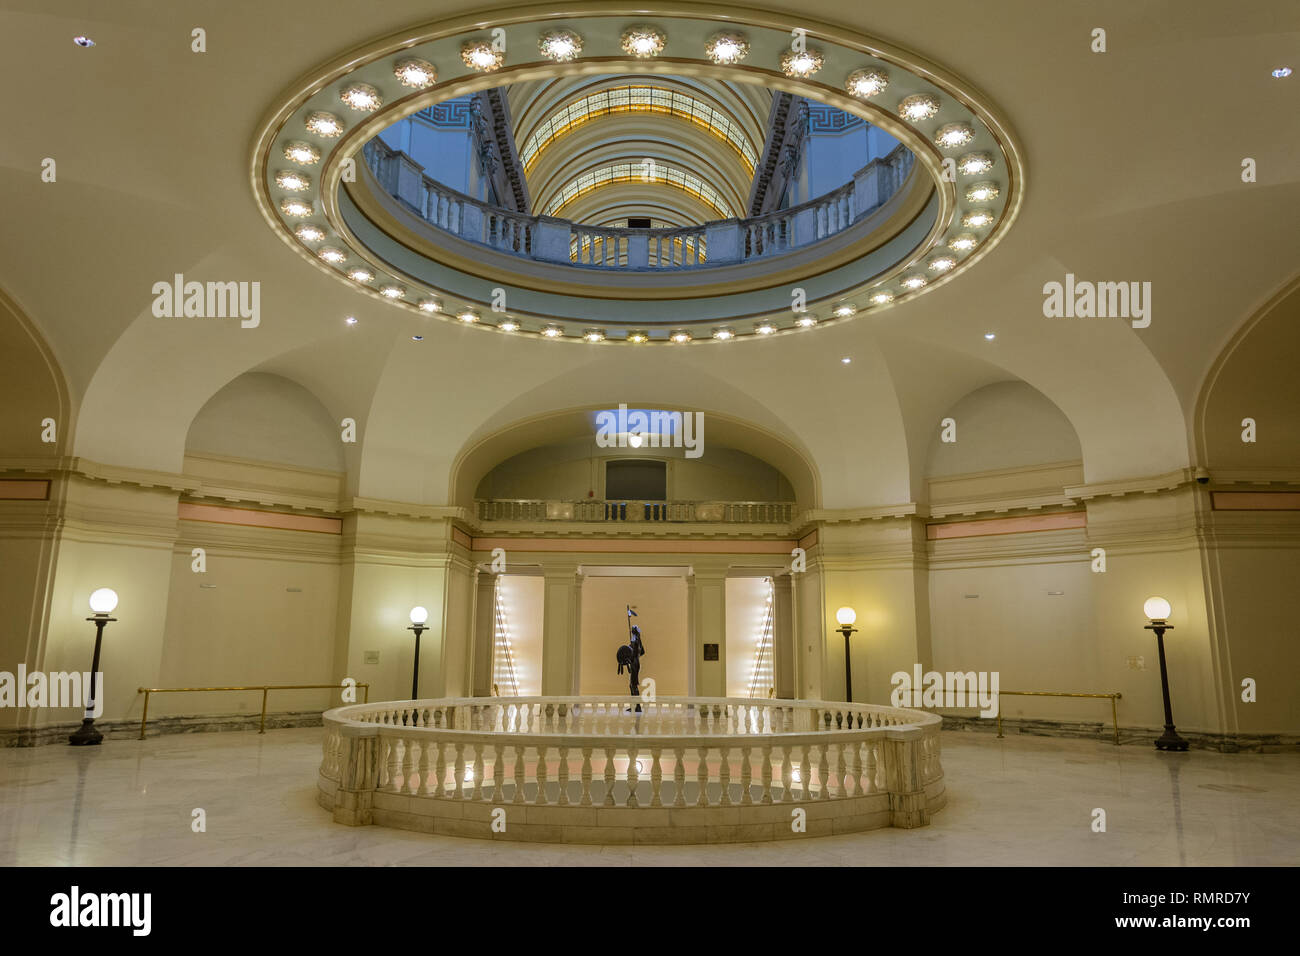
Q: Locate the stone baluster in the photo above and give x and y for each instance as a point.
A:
(563, 777)
(478, 772)
(633, 777)
(871, 765)
(543, 752)
(458, 774)
(679, 776)
(585, 799)
(824, 771)
(519, 750)
(394, 782)
(494, 793)
(787, 775)
(767, 775)
(746, 775)
(856, 770)
(656, 777)
(609, 776)
(724, 776)
(702, 776)
(422, 787)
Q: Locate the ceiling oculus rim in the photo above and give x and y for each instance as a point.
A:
(403, 70)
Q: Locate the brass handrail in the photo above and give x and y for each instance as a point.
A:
(264, 688)
(1114, 709)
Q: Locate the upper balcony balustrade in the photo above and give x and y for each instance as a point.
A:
(726, 242)
(608, 511)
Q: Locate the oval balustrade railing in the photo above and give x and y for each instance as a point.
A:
(609, 510)
(609, 769)
(724, 242)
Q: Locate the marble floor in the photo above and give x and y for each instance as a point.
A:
(1022, 800)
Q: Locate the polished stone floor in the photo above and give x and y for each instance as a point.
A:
(1023, 800)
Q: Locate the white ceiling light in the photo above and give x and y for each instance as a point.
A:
(643, 42)
(727, 48)
(292, 180)
(638, 337)
(309, 232)
(392, 292)
(298, 208)
(304, 154)
(918, 106)
(982, 192)
(481, 55)
(765, 328)
(882, 298)
(953, 135)
(973, 164)
(508, 325)
(594, 335)
(429, 305)
(805, 321)
(332, 255)
(941, 263)
(865, 84)
(552, 331)
(844, 311)
(963, 243)
(361, 97)
(560, 45)
(323, 124)
(680, 336)
(800, 65)
(415, 73)
(914, 281)
(361, 275)
(724, 334)
(84, 42)
(977, 218)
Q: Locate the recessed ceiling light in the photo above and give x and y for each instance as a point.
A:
(430, 305)
(918, 106)
(953, 135)
(83, 42)
(508, 325)
(324, 124)
(351, 320)
(941, 263)
(805, 321)
(415, 73)
(982, 192)
(972, 164)
(417, 338)
(481, 55)
(914, 281)
(800, 65)
(304, 154)
(844, 311)
(1282, 72)
(680, 336)
(594, 335)
(392, 292)
(989, 336)
(866, 83)
(560, 45)
(643, 41)
(309, 232)
(298, 208)
(846, 360)
(638, 336)
(468, 316)
(552, 331)
(360, 275)
(977, 218)
(330, 254)
(963, 243)
(361, 97)
(725, 48)
(882, 298)
(765, 328)
(292, 180)
(723, 335)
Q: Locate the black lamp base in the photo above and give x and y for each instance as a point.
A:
(85, 735)
(1170, 740)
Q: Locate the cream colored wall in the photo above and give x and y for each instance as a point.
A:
(999, 426)
(660, 603)
(569, 470)
(747, 609)
(522, 597)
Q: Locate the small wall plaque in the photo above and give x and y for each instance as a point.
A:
(710, 652)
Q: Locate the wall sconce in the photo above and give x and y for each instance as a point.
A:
(102, 602)
(1157, 610)
(845, 617)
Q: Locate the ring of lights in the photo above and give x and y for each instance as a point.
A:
(332, 111)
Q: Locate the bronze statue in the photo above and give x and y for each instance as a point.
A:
(630, 654)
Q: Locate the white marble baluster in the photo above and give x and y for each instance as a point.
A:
(767, 775)
(394, 765)
(787, 776)
(633, 777)
(724, 776)
(702, 776)
(422, 784)
(656, 777)
(609, 776)
(478, 771)
(679, 776)
(542, 752)
(746, 775)
(519, 753)
(824, 771)
(585, 800)
(856, 769)
(563, 777)
(458, 774)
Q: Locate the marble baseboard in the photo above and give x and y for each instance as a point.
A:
(158, 726)
(1146, 736)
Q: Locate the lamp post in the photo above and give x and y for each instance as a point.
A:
(845, 616)
(418, 616)
(102, 602)
(1157, 611)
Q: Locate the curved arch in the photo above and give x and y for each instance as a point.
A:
(33, 388)
(481, 455)
(1268, 340)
